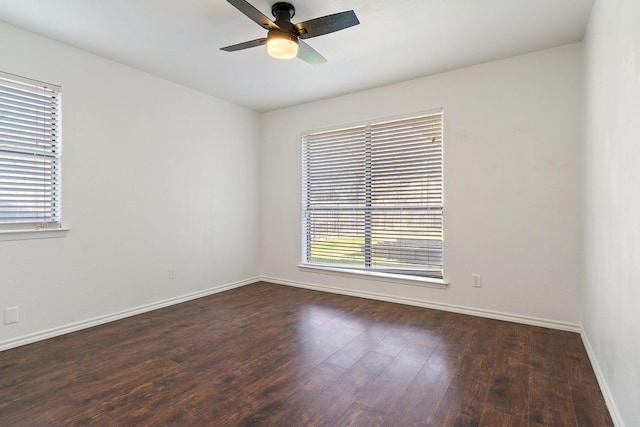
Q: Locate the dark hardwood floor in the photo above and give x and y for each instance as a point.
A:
(278, 356)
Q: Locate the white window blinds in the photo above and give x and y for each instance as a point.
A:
(373, 197)
(29, 153)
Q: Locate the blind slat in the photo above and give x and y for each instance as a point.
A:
(29, 153)
(372, 196)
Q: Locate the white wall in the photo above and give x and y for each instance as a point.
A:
(513, 192)
(154, 175)
(611, 317)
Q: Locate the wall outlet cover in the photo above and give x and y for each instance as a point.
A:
(10, 315)
(477, 281)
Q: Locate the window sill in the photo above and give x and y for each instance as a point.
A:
(404, 279)
(8, 235)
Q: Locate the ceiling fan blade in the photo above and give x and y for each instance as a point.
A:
(254, 14)
(245, 45)
(326, 24)
(309, 54)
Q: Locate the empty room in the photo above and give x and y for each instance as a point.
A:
(305, 213)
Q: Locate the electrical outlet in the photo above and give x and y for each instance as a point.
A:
(172, 273)
(10, 315)
(477, 281)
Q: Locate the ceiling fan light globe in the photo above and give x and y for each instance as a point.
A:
(282, 48)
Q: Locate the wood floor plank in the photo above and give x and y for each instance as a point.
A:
(362, 416)
(462, 404)
(509, 389)
(353, 351)
(394, 380)
(577, 365)
(418, 405)
(590, 408)
(341, 393)
(550, 400)
(395, 341)
(496, 417)
(547, 353)
(268, 355)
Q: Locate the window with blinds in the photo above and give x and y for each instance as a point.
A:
(373, 197)
(29, 154)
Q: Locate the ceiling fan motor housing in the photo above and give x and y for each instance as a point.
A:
(283, 11)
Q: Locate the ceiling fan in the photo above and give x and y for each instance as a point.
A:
(284, 38)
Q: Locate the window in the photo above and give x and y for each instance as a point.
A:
(372, 197)
(29, 154)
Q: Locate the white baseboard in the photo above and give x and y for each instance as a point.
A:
(50, 333)
(606, 393)
(73, 327)
(571, 327)
(545, 323)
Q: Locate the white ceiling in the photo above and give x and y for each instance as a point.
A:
(397, 40)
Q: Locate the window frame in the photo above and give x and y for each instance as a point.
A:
(30, 158)
(405, 272)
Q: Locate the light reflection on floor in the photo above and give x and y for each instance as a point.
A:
(329, 335)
